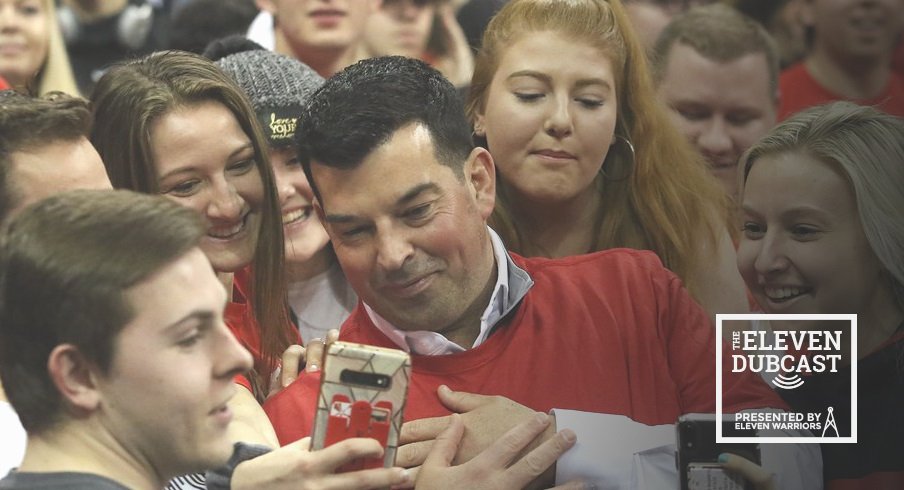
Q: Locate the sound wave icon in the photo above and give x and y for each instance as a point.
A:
(788, 382)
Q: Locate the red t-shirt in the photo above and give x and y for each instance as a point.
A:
(799, 90)
(609, 332)
(3, 84)
(239, 317)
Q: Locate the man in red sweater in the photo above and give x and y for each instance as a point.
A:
(405, 197)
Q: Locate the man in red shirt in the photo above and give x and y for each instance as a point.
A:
(850, 57)
(696, 58)
(405, 197)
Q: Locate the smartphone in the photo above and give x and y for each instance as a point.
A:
(698, 453)
(363, 390)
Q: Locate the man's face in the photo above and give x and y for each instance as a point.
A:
(409, 234)
(722, 108)
(165, 395)
(55, 167)
(321, 24)
(855, 29)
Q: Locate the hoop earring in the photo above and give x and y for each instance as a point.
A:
(606, 176)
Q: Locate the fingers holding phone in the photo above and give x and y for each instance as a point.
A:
(294, 467)
(362, 394)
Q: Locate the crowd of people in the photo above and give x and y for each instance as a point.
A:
(545, 203)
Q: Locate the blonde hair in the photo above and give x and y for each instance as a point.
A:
(867, 145)
(56, 75)
(661, 196)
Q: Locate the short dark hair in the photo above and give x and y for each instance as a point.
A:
(27, 122)
(361, 107)
(65, 265)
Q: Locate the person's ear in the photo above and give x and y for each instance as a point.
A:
(74, 378)
(480, 173)
(266, 5)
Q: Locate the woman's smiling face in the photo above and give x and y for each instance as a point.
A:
(204, 160)
(803, 249)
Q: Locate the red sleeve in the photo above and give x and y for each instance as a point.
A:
(292, 410)
(691, 344)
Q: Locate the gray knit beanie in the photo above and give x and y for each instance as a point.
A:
(278, 87)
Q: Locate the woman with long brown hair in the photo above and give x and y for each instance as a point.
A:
(173, 123)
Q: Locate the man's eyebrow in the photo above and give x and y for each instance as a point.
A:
(406, 198)
(416, 191)
(201, 316)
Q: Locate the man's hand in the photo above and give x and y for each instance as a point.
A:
(296, 467)
(490, 469)
(486, 419)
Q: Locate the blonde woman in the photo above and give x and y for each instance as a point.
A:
(821, 198)
(36, 59)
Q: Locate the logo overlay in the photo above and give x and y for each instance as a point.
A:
(809, 360)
